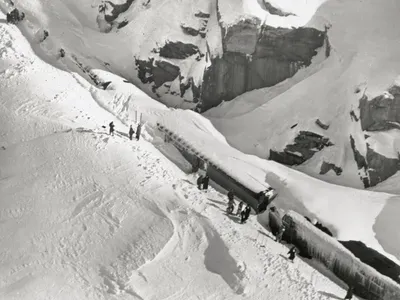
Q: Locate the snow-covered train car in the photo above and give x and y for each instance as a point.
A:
(367, 282)
(217, 171)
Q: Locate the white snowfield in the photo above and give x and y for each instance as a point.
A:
(84, 215)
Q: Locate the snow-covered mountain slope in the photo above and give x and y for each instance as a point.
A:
(338, 119)
(88, 216)
(190, 54)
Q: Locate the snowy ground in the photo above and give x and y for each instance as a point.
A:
(87, 216)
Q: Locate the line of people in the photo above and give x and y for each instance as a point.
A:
(131, 132)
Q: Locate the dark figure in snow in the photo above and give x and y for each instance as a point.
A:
(15, 16)
(240, 206)
(292, 253)
(231, 202)
(231, 207)
(200, 182)
(231, 196)
(280, 234)
(349, 294)
(131, 132)
(45, 36)
(245, 214)
(138, 131)
(205, 182)
(111, 128)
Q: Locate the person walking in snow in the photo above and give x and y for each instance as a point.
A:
(231, 202)
(349, 294)
(292, 253)
(231, 196)
(245, 214)
(111, 128)
(131, 132)
(280, 234)
(200, 182)
(242, 216)
(240, 207)
(138, 131)
(205, 182)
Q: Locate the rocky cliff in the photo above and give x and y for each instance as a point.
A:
(257, 56)
(253, 56)
(378, 115)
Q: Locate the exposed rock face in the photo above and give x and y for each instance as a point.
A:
(257, 57)
(306, 144)
(360, 161)
(376, 167)
(201, 30)
(117, 9)
(178, 50)
(254, 56)
(321, 125)
(380, 167)
(158, 72)
(326, 167)
(373, 258)
(192, 31)
(382, 112)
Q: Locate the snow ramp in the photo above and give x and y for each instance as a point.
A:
(367, 282)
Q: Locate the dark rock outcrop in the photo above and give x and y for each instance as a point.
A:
(273, 10)
(305, 145)
(201, 14)
(194, 32)
(361, 162)
(15, 16)
(326, 167)
(158, 72)
(380, 167)
(376, 166)
(122, 24)
(382, 112)
(321, 125)
(255, 57)
(178, 50)
(117, 9)
(374, 259)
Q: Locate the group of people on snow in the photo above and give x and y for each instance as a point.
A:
(131, 132)
(244, 213)
(265, 198)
